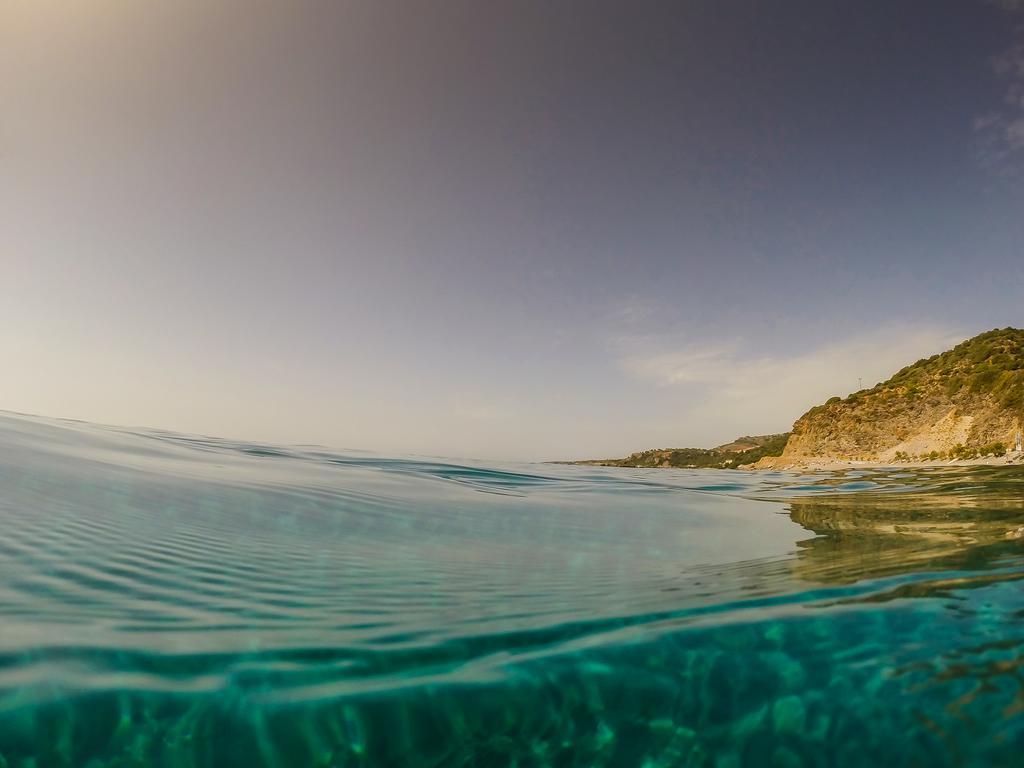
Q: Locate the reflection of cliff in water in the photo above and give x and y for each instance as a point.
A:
(961, 546)
(875, 535)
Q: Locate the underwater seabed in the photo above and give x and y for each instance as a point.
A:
(173, 601)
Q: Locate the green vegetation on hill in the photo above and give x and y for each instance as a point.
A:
(964, 403)
(991, 363)
(704, 458)
(956, 453)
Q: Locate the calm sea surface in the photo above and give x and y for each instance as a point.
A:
(181, 601)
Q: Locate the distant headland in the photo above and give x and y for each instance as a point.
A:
(740, 452)
(963, 406)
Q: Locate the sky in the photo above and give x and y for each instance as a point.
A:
(505, 230)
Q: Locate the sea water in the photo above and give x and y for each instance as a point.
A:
(169, 600)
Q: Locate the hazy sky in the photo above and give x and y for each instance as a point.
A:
(498, 229)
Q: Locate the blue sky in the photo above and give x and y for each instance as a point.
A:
(504, 230)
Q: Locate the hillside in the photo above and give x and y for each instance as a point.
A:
(748, 443)
(742, 451)
(964, 403)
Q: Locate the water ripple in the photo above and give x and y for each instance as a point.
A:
(314, 607)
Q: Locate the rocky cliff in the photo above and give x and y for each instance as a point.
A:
(964, 403)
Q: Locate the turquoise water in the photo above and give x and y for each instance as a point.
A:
(182, 601)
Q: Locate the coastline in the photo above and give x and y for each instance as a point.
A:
(824, 464)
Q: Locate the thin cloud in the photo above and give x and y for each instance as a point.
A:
(999, 134)
(728, 388)
(695, 365)
(637, 311)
